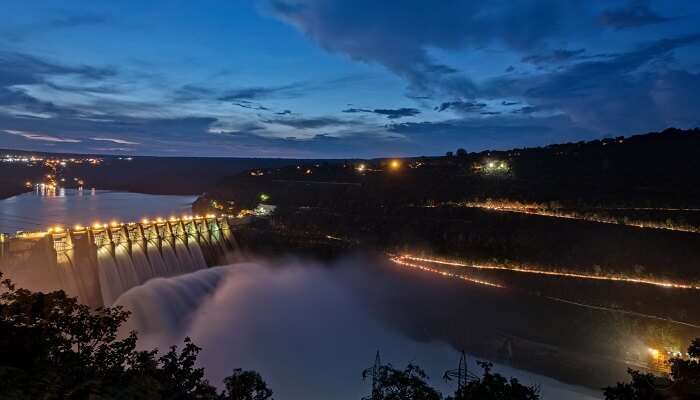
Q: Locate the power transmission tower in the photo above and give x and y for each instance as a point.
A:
(461, 374)
(374, 373)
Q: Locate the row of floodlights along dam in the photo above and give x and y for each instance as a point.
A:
(144, 221)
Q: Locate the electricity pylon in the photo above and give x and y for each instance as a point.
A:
(374, 373)
(461, 374)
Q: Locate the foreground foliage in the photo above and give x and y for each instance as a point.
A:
(495, 386)
(394, 384)
(411, 384)
(52, 347)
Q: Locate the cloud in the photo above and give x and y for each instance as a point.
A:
(498, 132)
(461, 106)
(289, 91)
(395, 113)
(630, 92)
(250, 105)
(563, 78)
(350, 143)
(24, 103)
(155, 135)
(620, 92)
(525, 110)
(62, 21)
(42, 137)
(188, 93)
(113, 140)
(357, 110)
(23, 69)
(72, 21)
(399, 33)
(637, 13)
(263, 92)
(554, 56)
(307, 123)
(19, 71)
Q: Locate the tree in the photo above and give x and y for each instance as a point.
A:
(52, 347)
(493, 386)
(246, 385)
(461, 153)
(409, 384)
(449, 154)
(683, 382)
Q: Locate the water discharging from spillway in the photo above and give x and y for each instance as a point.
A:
(124, 269)
(311, 329)
(98, 264)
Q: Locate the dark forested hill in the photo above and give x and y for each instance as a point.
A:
(655, 169)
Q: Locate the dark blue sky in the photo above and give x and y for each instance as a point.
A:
(332, 78)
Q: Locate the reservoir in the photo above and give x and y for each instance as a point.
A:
(33, 211)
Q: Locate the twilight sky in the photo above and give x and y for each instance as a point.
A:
(341, 78)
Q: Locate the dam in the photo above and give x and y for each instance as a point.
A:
(98, 263)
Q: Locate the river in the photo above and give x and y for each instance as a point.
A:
(311, 328)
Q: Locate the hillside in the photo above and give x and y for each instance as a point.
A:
(651, 170)
(619, 206)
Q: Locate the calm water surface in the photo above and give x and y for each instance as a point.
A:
(33, 211)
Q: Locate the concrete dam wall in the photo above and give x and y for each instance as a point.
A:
(97, 264)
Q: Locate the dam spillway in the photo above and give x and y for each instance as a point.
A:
(98, 263)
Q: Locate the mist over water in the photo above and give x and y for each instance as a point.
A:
(309, 329)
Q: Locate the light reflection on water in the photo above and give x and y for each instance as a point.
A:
(309, 329)
(34, 211)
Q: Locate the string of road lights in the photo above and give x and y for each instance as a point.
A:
(666, 284)
(116, 224)
(533, 210)
(401, 260)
